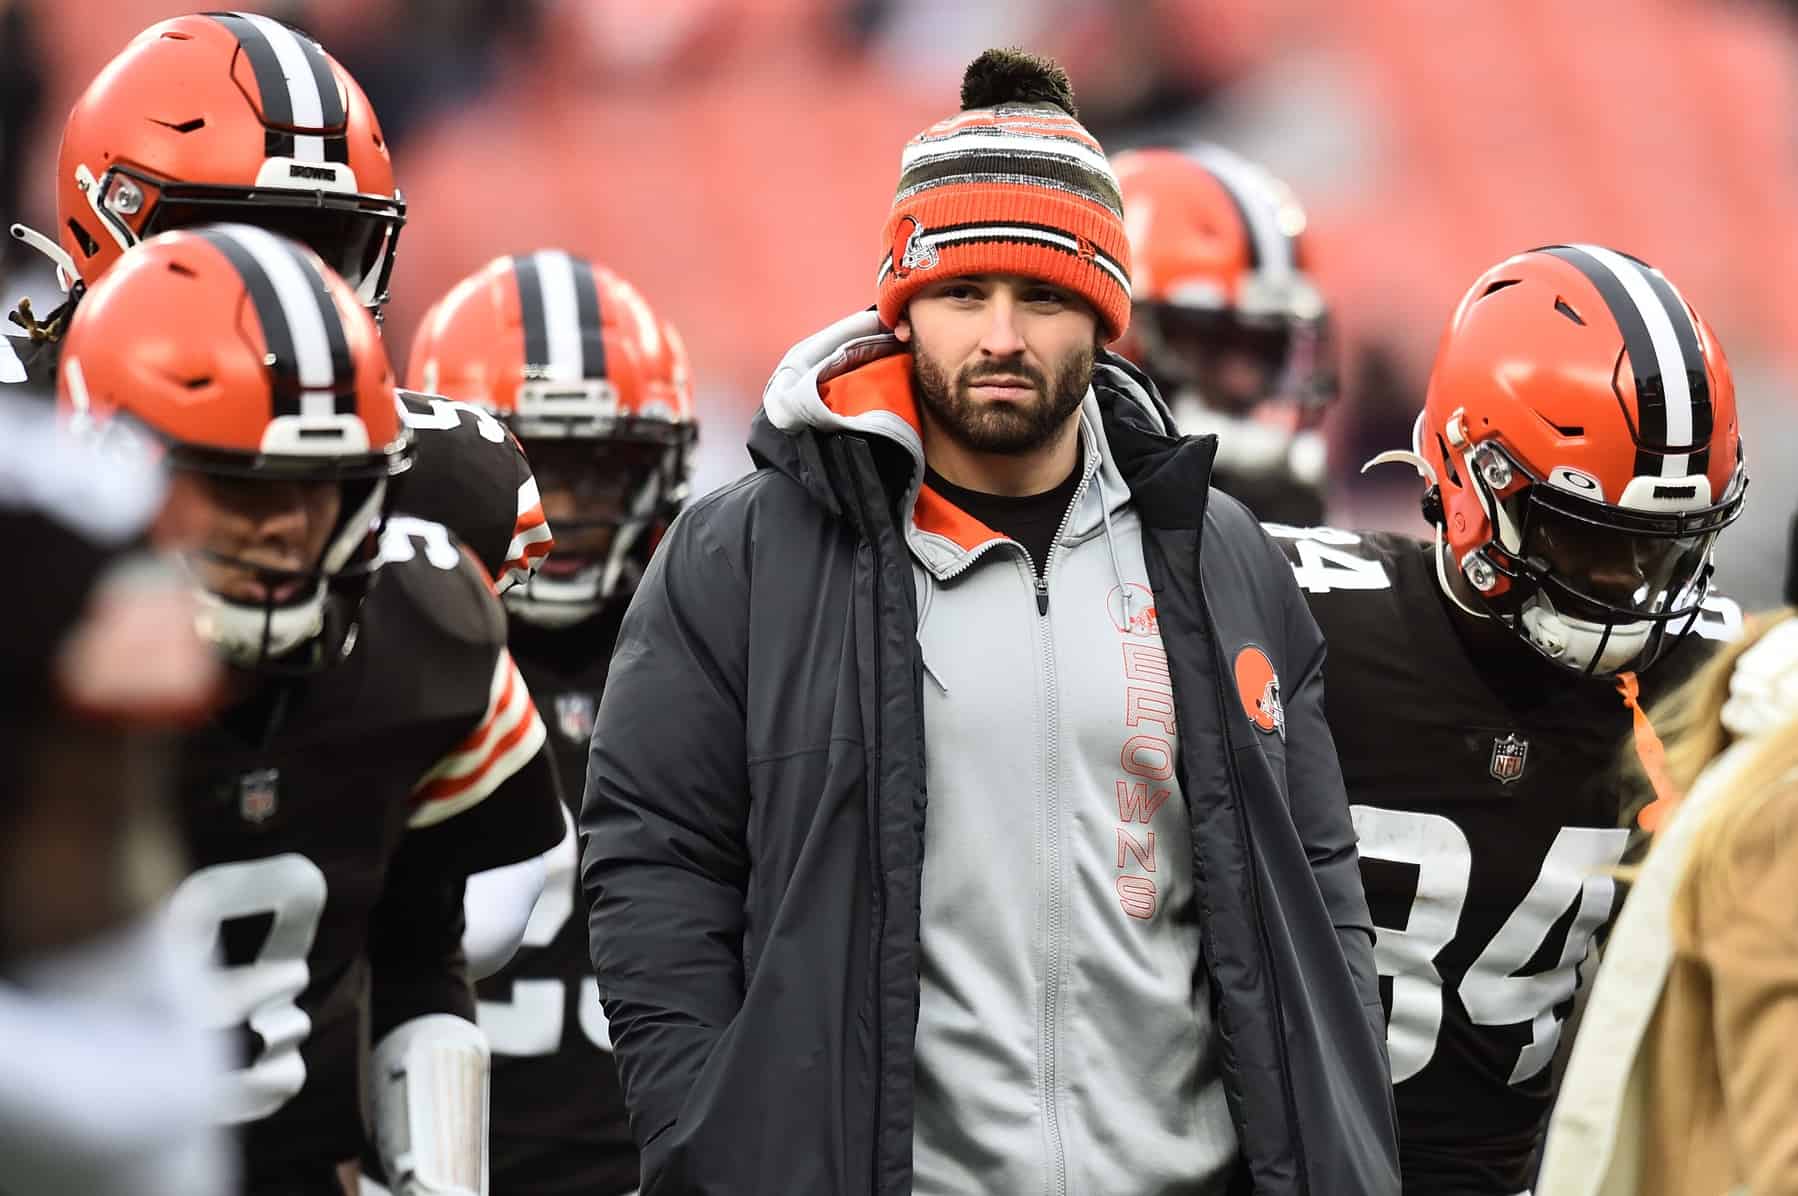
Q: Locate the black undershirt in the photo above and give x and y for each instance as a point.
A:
(1030, 519)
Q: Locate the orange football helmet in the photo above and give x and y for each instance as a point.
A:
(1227, 320)
(219, 117)
(241, 355)
(1580, 434)
(599, 391)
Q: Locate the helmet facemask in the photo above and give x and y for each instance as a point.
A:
(356, 234)
(1596, 588)
(305, 618)
(609, 498)
(1260, 382)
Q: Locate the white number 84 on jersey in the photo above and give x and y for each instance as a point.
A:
(1575, 871)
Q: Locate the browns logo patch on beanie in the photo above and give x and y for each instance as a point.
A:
(1012, 184)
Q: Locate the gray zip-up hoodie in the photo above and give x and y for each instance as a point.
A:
(1064, 1035)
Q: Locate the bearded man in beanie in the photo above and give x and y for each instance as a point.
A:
(961, 816)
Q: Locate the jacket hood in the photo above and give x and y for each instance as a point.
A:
(855, 377)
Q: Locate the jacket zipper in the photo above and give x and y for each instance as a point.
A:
(1052, 767)
(968, 561)
(1053, 914)
(1067, 517)
(1052, 960)
(1242, 825)
(1042, 583)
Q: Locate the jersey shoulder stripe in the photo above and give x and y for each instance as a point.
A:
(532, 539)
(472, 476)
(509, 734)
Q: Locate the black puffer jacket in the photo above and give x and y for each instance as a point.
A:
(753, 829)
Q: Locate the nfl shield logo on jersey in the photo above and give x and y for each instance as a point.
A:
(574, 714)
(258, 793)
(1508, 754)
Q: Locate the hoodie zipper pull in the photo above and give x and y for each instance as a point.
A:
(1042, 595)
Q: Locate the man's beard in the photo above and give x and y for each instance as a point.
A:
(1008, 428)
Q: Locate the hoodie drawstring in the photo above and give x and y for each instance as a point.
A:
(1117, 567)
(1125, 589)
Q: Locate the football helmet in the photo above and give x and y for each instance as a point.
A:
(596, 388)
(1580, 440)
(226, 117)
(1226, 319)
(241, 356)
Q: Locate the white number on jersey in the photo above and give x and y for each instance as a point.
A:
(531, 1022)
(1438, 849)
(262, 993)
(1323, 565)
(401, 533)
(446, 414)
(1572, 873)
(1719, 619)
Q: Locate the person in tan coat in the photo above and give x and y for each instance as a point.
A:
(1684, 1078)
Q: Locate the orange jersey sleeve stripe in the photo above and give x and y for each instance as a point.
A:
(476, 742)
(505, 710)
(452, 787)
(532, 539)
(508, 736)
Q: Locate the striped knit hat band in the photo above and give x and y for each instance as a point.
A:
(1012, 188)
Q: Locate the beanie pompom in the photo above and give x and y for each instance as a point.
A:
(1012, 76)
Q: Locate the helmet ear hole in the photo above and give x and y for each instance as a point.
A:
(83, 238)
(1448, 461)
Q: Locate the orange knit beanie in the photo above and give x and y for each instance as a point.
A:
(1010, 185)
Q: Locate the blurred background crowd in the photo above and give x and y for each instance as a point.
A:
(735, 158)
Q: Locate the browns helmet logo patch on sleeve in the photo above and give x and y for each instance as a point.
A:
(1259, 687)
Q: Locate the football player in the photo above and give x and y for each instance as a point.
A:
(570, 357)
(238, 117)
(379, 744)
(1581, 454)
(110, 1077)
(1228, 322)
